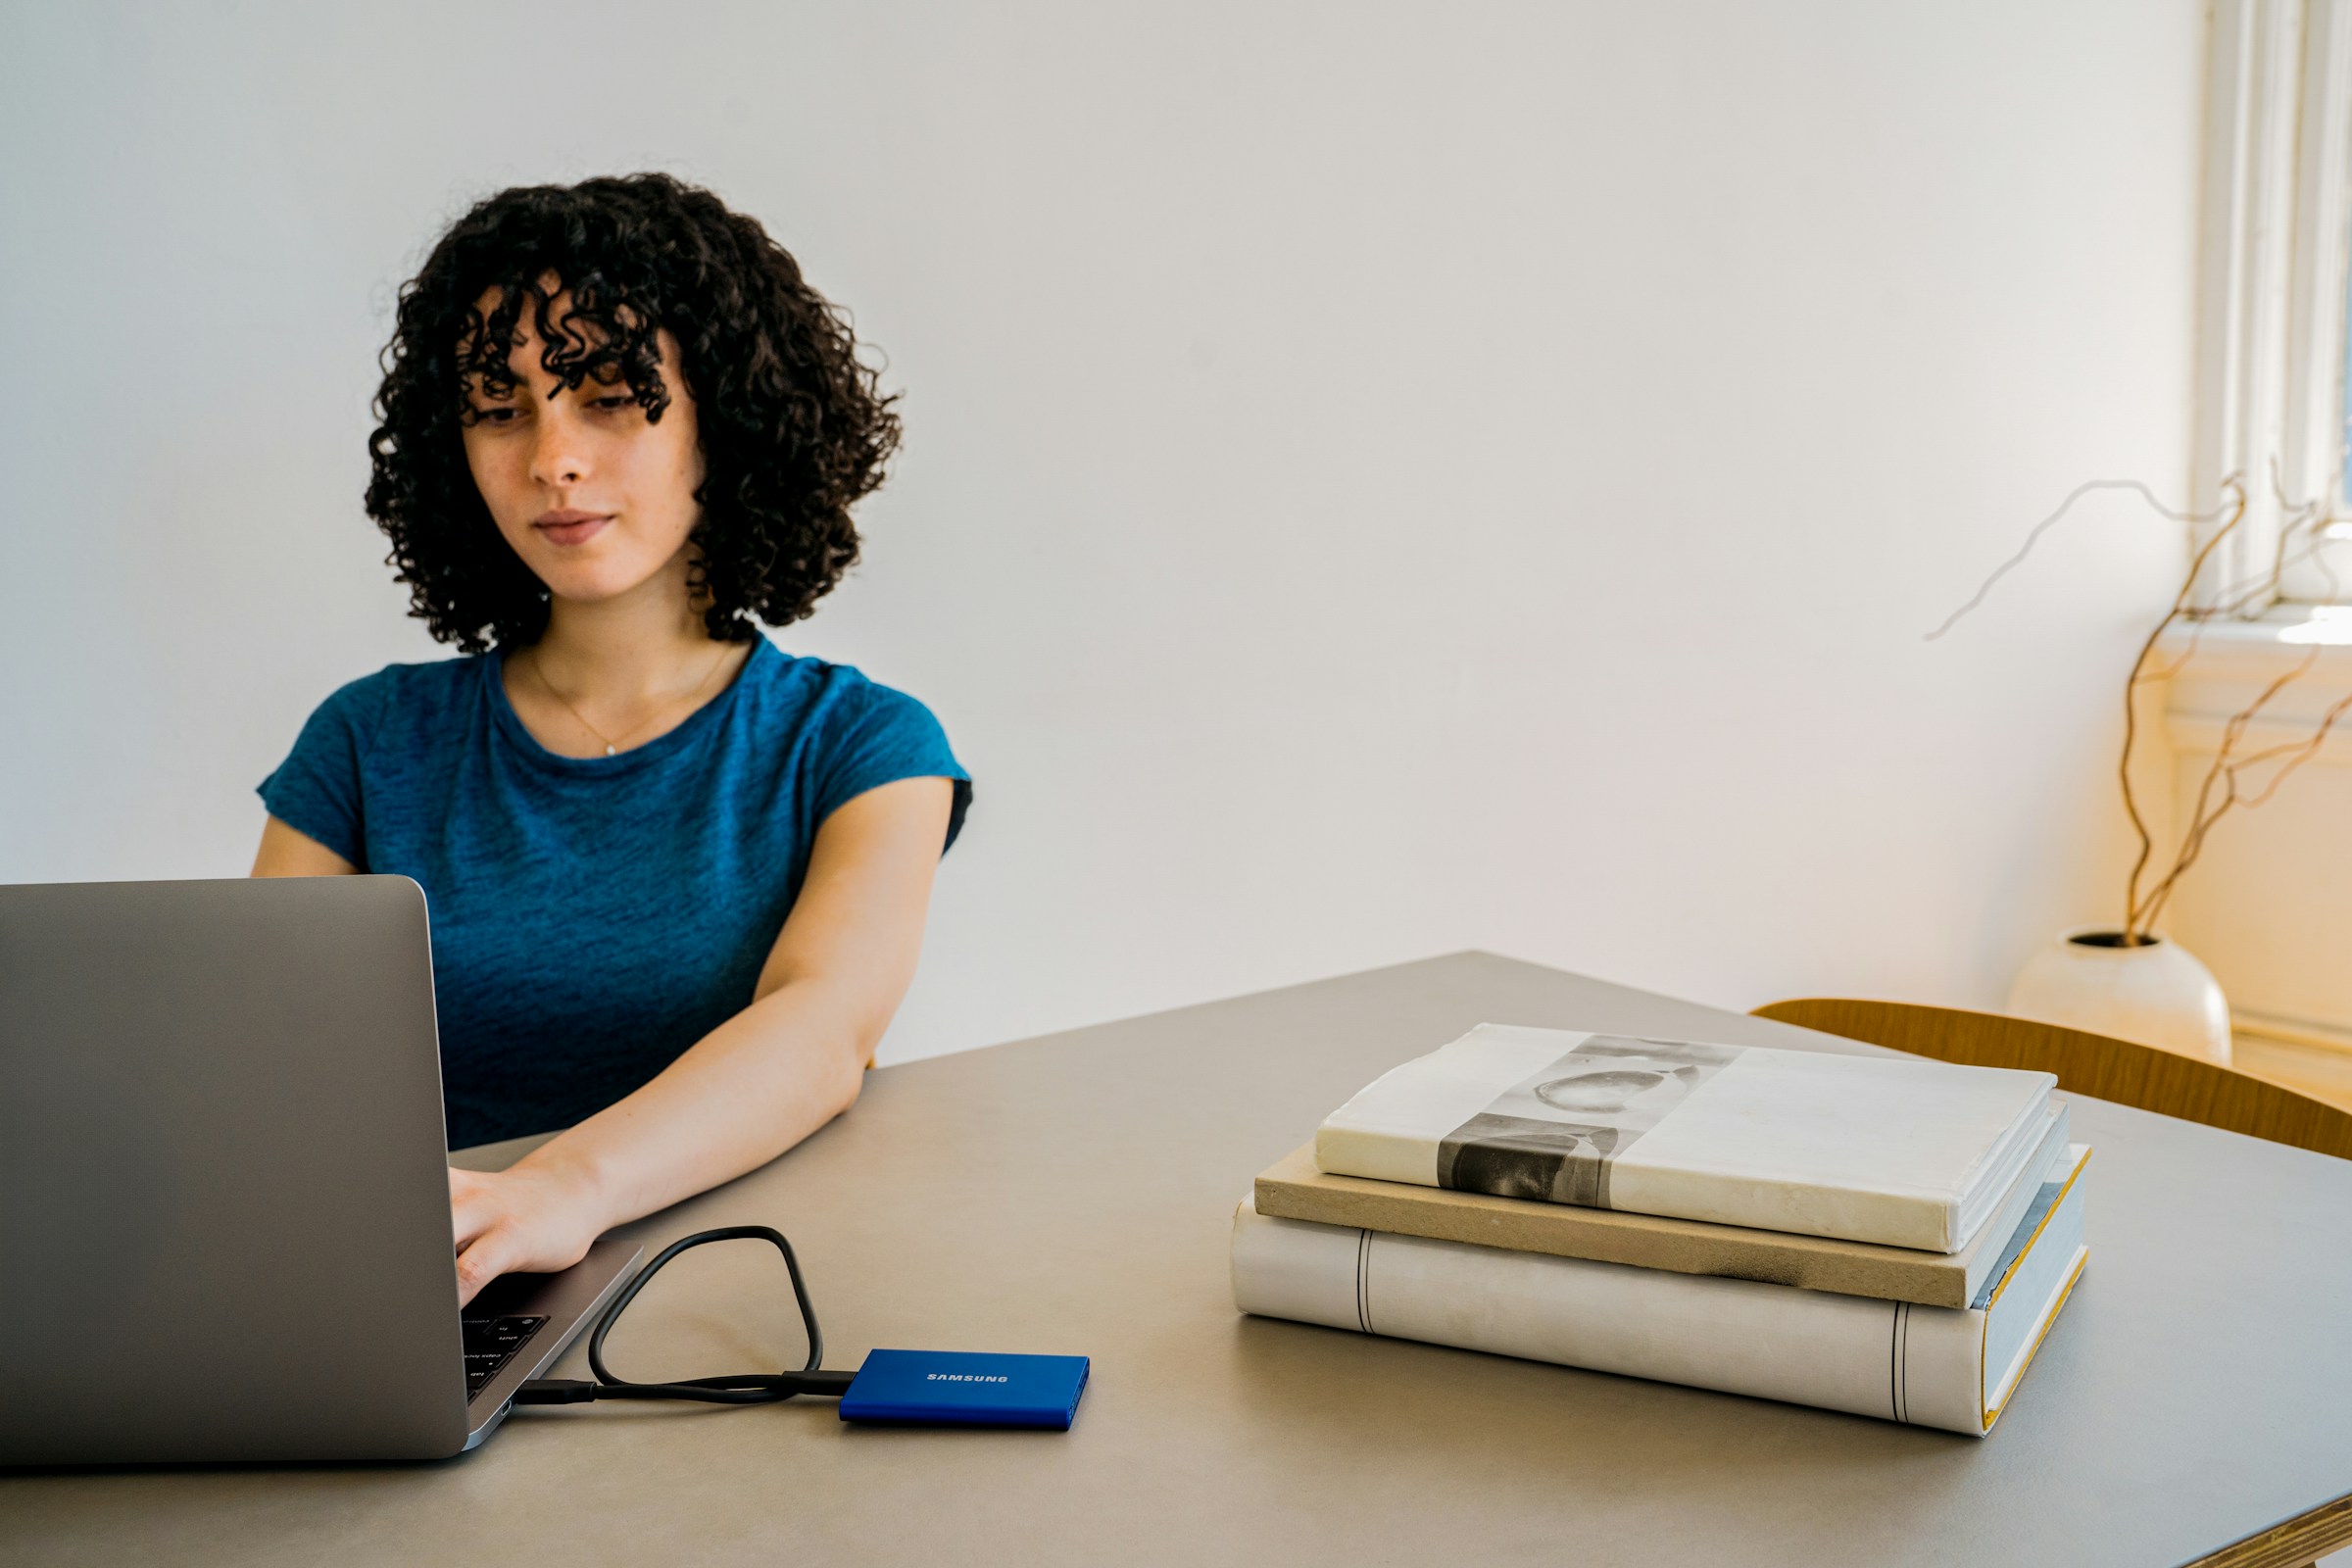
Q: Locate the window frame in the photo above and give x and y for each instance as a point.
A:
(2277, 258)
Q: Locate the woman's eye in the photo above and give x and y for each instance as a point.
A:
(613, 404)
(496, 416)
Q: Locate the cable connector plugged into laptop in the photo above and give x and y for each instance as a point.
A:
(555, 1390)
(760, 1388)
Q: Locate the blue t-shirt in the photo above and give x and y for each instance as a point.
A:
(593, 917)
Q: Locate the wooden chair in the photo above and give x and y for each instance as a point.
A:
(2104, 1068)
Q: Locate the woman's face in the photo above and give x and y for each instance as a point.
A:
(596, 500)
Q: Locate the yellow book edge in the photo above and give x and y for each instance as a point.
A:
(2049, 1320)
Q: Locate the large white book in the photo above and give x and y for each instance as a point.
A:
(1890, 1149)
(1956, 1369)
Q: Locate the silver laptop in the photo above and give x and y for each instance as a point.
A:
(224, 1192)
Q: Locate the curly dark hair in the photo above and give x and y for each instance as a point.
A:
(795, 429)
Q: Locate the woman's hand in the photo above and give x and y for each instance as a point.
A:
(536, 1218)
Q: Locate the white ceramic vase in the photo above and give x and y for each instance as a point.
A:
(2155, 994)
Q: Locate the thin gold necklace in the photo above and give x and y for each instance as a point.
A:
(612, 746)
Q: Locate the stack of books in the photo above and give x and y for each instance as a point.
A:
(1880, 1235)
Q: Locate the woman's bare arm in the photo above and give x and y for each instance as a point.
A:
(286, 851)
(756, 1085)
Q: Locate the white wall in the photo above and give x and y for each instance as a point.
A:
(1380, 478)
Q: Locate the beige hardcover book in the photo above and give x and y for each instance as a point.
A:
(1293, 1187)
(1951, 1367)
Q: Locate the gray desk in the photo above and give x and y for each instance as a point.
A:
(1071, 1194)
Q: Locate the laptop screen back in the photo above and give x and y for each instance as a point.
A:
(224, 1197)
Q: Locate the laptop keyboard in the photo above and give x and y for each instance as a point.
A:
(491, 1343)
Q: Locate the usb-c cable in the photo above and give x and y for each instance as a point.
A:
(749, 1388)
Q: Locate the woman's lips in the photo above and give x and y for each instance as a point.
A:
(571, 528)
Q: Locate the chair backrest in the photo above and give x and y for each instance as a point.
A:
(2096, 1066)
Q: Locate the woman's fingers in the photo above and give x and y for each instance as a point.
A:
(508, 1220)
(472, 1205)
(484, 1230)
(486, 1259)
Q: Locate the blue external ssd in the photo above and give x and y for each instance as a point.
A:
(971, 1389)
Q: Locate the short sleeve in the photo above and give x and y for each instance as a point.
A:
(316, 790)
(881, 737)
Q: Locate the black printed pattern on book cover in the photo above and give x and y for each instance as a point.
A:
(1554, 1135)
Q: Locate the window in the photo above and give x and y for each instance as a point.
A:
(2276, 327)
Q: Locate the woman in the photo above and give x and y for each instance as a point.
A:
(677, 878)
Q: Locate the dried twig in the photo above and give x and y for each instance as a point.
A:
(2302, 752)
(2064, 507)
(2138, 915)
(2139, 665)
(2305, 521)
(2300, 537)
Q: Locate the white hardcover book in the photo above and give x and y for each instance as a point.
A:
(1950, 1367)
(1890, 1149)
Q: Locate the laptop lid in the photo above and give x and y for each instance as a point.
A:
(223, 1189)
